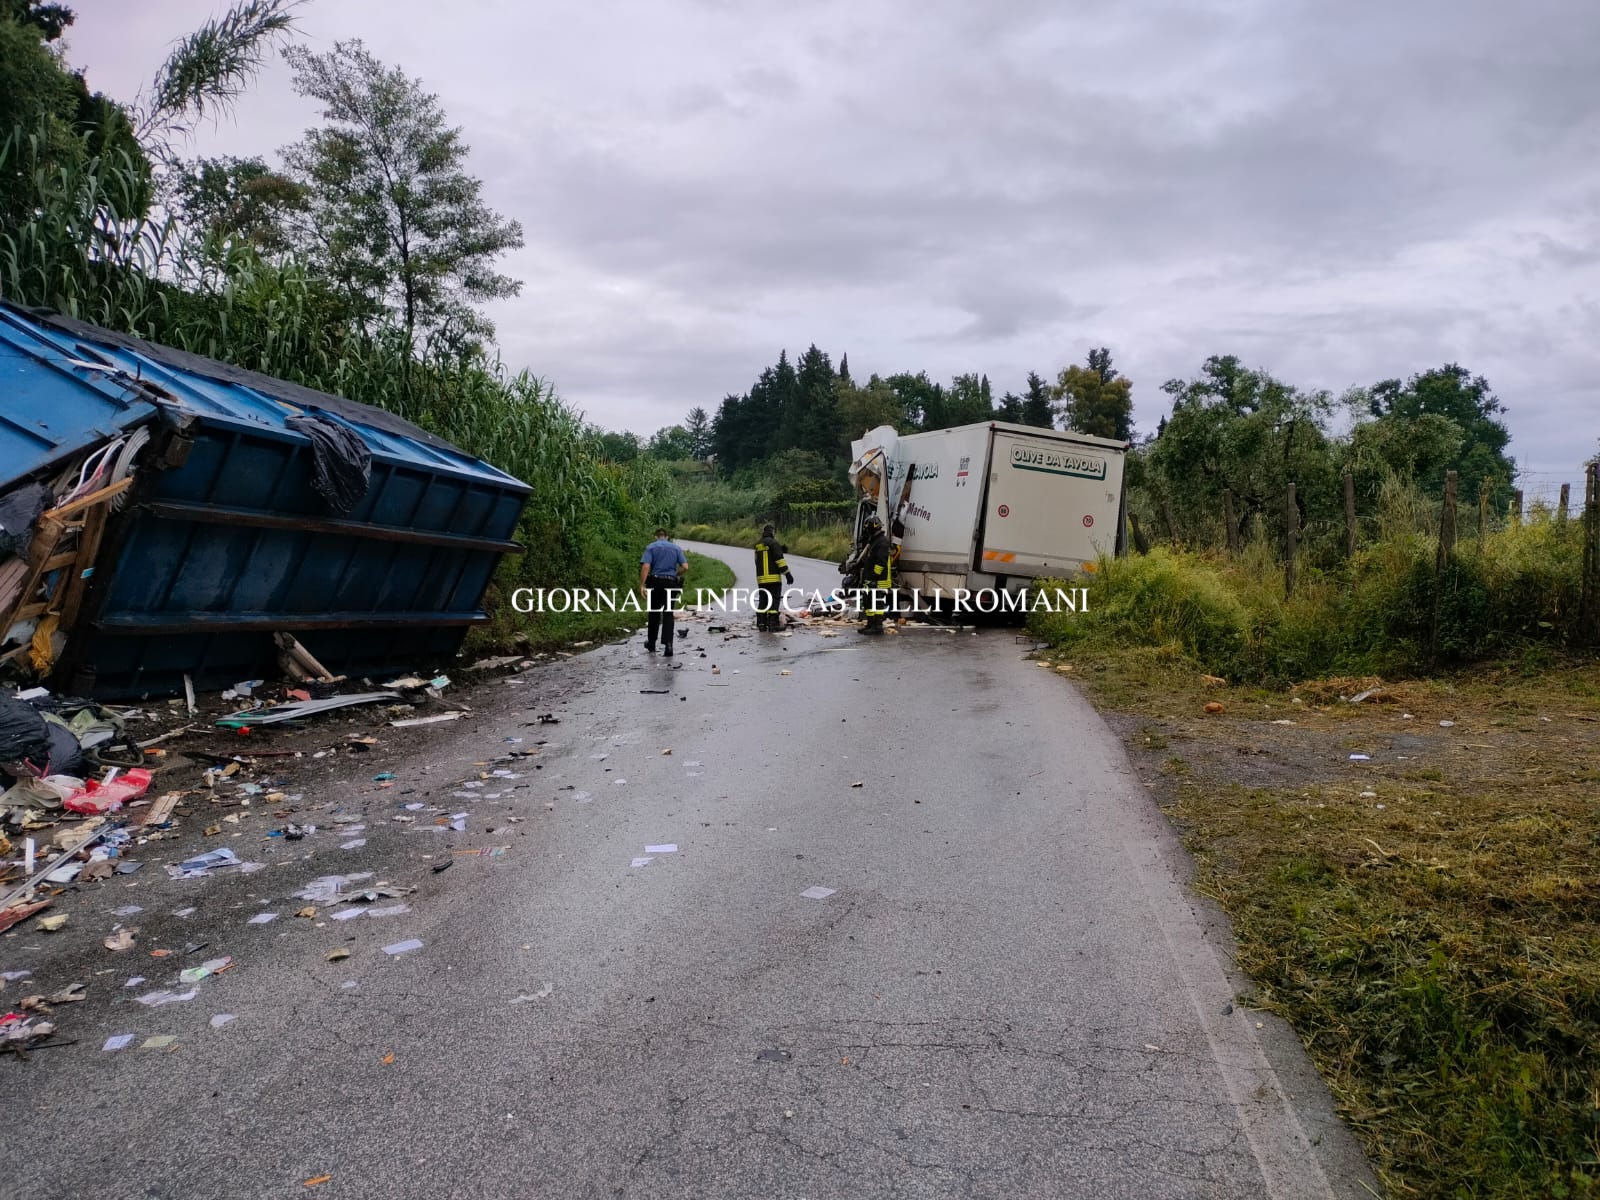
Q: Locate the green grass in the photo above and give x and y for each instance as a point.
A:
(831, 542)
(1387, 611)
(1437, 954)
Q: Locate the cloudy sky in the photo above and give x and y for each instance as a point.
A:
(1337, 192)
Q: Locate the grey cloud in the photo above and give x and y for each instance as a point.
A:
(1338, 192)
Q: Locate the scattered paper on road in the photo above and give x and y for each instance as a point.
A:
(666, 848)
(118, 1041)
(818, 893)
(404, 947)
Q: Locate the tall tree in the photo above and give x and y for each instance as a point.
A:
(1010, 408)
(1465, 400)
(969, 401)
(1036, 403)
(867, 407)
(921, 400)
(670, 443)
(811, 422)
(698, 427)
(1243, 430)
(844, 367)
(393, 216)
(235, 200)
(1095, 399)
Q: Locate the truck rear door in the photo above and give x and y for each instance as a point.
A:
(1052, 505)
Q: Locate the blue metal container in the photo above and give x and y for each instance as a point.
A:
(226, 542)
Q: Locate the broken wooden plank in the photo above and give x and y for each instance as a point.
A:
(83, 502)
(94, 528)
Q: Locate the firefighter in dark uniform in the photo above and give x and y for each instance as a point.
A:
(877, 573)
(770, 567)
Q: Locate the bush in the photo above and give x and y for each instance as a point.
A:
(1388, 611)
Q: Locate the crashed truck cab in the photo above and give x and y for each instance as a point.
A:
(167, 518)
(991, 506)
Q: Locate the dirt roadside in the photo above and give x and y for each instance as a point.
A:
(1413, 883)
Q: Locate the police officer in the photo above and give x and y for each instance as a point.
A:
(877, 572)
(770, 566)
(661, 569)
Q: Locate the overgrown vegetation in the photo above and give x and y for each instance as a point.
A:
(1424, 917)
(1389, 610)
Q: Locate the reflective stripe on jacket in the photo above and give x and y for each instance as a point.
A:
(770, 564)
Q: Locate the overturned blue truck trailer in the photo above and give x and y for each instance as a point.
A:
(165, 515)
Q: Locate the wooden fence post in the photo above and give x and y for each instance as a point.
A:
(1483, 509)
(1229, 526)
(1291, 541)
(1589, 602)
(1566, 500)
(1140, 542)
(1447, 545)
(1172, 525)
(1349, 515)
(1447, 521)
(1516, 505)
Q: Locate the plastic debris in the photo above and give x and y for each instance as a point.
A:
(1361, 758)
(388, 911)
(110, 794)
(773, 1056)
(203, 864)
(1446, 724)
(353, 844)
(544, 991)
(818, 893)
(118, 1041)
(666, 848)
(221, 1019)
(206, 969)
(262, 918)
(157, 999)
(642, 860)
(404, 947)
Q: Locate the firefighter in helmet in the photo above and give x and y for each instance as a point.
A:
(877, 572)
(770, 567)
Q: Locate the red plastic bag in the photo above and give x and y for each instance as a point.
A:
(98, 797)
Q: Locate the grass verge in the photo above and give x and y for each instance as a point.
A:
(832, 543)
(1426, 917)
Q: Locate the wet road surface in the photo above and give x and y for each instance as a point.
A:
(976, 975)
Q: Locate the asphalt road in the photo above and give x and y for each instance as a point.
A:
(1007, 991)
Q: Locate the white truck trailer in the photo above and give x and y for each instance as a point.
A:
(992, 505)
